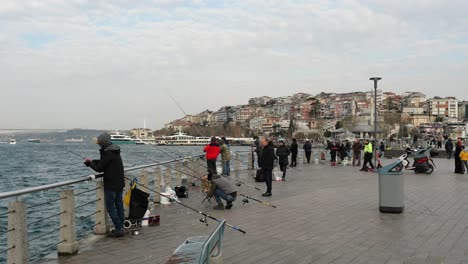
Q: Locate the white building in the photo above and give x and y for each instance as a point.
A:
(447, 107)
(256, 123)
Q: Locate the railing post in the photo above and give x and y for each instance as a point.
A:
(69, 246)
(178, 174)
(237, 168)
(100, 227)
(144, 179)
(186, 170)
(157, 185)
(250, 162)
(18, 236)
(168, 179)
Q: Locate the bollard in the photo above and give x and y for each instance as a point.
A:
(100, 227)
(157, 184)
(67, 224)
(144, 178)
(18, 236)
(250, 160)
(178, 174)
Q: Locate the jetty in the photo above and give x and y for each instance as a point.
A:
(324, 214)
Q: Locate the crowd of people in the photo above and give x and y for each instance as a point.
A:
(221, 188)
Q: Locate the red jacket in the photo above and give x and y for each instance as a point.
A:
(212, 151)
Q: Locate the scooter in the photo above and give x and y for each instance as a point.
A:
(423, 162)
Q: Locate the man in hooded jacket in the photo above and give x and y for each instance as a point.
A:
(111, 165)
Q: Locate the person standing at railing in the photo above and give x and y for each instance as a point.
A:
(212, 151)
(225, 157)
(111, 165)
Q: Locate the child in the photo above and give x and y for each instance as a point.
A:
(464, 158)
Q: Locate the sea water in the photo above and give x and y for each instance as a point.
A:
(30, 164)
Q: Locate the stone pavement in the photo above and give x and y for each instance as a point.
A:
(325, 215)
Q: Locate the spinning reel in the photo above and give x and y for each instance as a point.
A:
(204, 220)
(238, 184)
(245, 200)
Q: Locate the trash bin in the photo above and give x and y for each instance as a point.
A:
(391, 189)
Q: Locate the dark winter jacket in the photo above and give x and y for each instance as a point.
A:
(449, 145)
(283, 152)
(307, 146)
(357, 147)
(212, 151)
(294, 148)
(110, 164)
(267, 157)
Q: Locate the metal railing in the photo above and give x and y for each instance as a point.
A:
(59, 222)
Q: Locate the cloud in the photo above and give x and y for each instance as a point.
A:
(127, 54)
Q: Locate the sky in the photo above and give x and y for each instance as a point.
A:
(111, 64)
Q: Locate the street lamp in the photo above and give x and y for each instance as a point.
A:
(375, 79)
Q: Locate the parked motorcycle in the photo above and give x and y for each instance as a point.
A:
(423, 162)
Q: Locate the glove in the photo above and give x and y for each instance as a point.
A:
(87, 162)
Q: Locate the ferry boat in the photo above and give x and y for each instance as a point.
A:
(74, 140)
(34, 140)
(182, 139)
(12, 142)
(117, 138)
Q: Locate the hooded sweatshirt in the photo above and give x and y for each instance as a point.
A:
(225, 152)
(110, 164)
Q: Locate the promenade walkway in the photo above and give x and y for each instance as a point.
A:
(325, 215)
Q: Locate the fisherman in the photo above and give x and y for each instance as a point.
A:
(225, 157)
(212, 151)
(222, 188)
(111, 165)
(267, 159)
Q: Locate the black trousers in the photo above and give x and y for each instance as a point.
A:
(293, 159)
(367, 159)
(308, 153)
(211, 165)
(283, 168)
(268, 178)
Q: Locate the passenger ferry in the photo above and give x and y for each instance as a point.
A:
(117, 138)
(74, 140)
(34, 140)
(182, 139)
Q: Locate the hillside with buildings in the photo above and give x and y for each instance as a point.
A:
(335, 114)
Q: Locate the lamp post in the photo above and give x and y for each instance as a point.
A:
(375, 79)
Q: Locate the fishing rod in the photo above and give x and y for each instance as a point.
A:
(246, 200)
(73, 152)
(239, 182)
(202, 220)
(199, 178)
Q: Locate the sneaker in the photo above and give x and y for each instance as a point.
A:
(266, 194)
(219, 207)
(115, 233)
(228, 205)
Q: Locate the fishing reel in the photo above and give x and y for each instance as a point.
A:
(204, 220)
(245, 200)
(238, 184)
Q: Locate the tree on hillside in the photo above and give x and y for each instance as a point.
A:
(338, 125)
(327, 134)
(315, 107)
(291, 128)
(439, 119)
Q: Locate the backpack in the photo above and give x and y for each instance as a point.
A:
(181, 192)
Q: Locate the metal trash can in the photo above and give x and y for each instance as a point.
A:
(391, 189)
